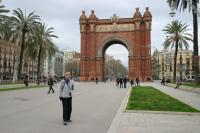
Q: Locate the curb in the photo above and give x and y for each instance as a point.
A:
(163, 112)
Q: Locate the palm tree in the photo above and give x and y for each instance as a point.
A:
(177, 37)
(42, 45)
(2, 11)
(6, 30)
(24, 26)
(31, 55)
(191, 5)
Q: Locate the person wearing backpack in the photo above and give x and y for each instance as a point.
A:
(65, 95)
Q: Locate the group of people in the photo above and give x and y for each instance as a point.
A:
(122, 82)
(137, 81)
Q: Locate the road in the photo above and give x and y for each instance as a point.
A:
(35, 111)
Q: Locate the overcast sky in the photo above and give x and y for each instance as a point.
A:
(64, 15)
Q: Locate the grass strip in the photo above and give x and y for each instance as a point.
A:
(193, 85)
(20, 88)
(149, 98)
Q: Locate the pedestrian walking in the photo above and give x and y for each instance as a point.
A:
(50, 84)
(137, 82)
(178, 83)
(121, 83)
(163, 81)
(132, 83)
(26, 80)
(96, 80)
(65, 95)
(124, 81)
(72, 83)
(117, 82)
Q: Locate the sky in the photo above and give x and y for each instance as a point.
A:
(64, 15)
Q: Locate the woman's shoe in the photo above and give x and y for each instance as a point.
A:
(69, 121)
(64, 123)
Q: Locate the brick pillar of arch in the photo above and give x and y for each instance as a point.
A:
(83, 60)
(132, 68)
(100, 68)
(147, 50)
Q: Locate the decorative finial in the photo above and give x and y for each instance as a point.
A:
(114, 18)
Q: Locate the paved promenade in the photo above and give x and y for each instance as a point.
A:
(147, 122)
(96, 109)
(34, 111)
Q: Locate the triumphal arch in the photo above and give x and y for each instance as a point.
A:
(98, 34)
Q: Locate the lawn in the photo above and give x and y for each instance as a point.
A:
(149, 98)
(191, 84)
(22, 87)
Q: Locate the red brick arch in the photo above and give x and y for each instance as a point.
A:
(98, 34)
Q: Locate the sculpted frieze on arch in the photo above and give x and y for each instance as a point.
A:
(115, 27)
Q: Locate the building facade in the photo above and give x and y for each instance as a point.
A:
(54, 66)
(163, 64)
(59, 64)
(9, 61)
(72, 60)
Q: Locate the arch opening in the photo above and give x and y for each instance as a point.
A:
(111, 41)
(115, 57)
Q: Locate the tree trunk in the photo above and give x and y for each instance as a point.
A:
(175, 59)
(39, 61)
(21, 55)
(195, 41)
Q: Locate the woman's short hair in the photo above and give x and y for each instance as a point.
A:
(67, 74)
